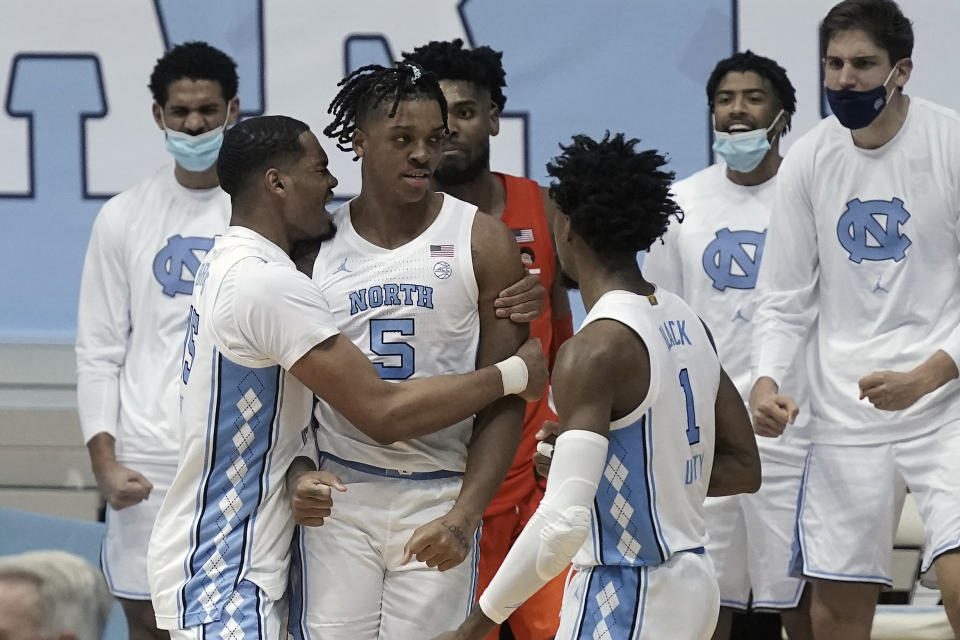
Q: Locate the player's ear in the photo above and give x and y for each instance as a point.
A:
(902, 74)
(359, 142)
(563, 227)
(494, 118)
(233, 107)
(274, 182)
(158, 115)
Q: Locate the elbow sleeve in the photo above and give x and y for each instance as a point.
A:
(557, 529)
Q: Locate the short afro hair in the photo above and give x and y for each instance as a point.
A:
(197, 61)
(763, 67)
(618, 199)
(882, 20)
(450, 61)
(253, 146)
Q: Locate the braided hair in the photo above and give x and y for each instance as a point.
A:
(369, 87)
(450, 61)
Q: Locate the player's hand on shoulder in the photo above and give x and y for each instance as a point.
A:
(891, 390)
(523, 301)
(442, 543)
(546, 438)
(121, 486)
(312, 497)
(531, 352)
(770, 411)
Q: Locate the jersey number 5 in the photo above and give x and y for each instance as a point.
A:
(405, 368)
(693, 431)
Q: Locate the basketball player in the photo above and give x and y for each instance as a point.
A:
(411, 277)
(711, 261)
(145, 247)
(864, 238)
(472, 81)
(260, 338)
(649, 423)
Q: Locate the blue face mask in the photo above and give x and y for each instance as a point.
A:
(857, 109)
(195, 153)
(743, 151)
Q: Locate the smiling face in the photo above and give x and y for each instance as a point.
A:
(308, 187)
(472, 118)
(400, 153)
(744, 101)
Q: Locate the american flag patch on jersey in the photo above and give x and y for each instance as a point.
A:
(441, 251)
(523, 235)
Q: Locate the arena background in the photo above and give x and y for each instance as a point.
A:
(75, 128)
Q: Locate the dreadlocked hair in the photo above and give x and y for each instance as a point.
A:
(372, 85)
(450, 61)
(618, 199)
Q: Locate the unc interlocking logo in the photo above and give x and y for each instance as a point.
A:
(177, 255)
(728, 260)
(870, 230)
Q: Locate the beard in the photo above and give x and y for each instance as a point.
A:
(567, 282)
(328, 234)
(449, 173)
(304, 252)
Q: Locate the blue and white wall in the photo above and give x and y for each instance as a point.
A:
(75, 123)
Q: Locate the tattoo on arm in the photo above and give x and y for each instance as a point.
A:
(458, 534)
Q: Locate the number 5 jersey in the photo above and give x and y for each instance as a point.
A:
(413, 311)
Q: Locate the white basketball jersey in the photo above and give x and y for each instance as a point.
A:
(413, 311)
(712, 260)
(649, 504)
(226, 516)
(145, 248)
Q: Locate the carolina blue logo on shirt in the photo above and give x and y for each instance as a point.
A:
(177, 255)
(729, 263)
(870, 230)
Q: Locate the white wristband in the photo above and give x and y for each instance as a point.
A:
(545, 449)
(513, 373)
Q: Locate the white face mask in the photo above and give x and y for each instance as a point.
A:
(195, 153)
(745, 150)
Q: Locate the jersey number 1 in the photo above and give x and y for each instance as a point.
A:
(693, 431)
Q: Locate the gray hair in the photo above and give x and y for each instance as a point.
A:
(73, 595)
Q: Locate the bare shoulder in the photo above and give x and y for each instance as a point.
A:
(605, 361)
(493, 242)
(601, 351)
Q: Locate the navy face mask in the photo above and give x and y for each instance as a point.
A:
(857, 109)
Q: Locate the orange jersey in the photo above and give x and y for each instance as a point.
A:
(525, 215)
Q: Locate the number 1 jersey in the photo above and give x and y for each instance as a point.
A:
(649, 503)
(413, 311)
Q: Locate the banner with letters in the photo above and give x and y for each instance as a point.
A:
(76, 125)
